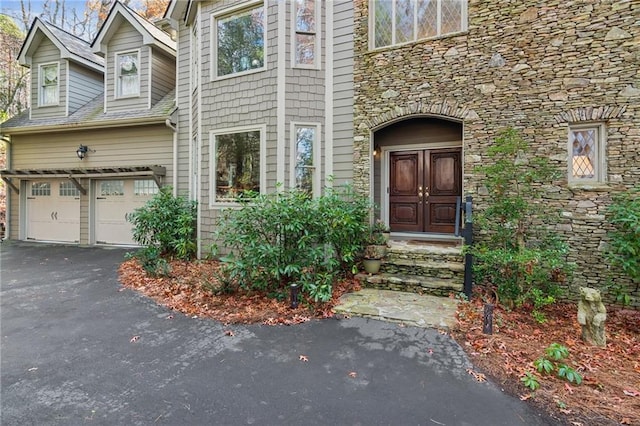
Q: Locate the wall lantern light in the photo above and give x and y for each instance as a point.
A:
(82, 150)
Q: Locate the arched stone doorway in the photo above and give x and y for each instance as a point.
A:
(418, 175)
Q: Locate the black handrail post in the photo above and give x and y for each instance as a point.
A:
(458, 216)
(468, 241)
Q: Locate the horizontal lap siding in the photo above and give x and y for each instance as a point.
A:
(182, 100)
(84, 85)
(343, 92)
(126, 39)
(47, 52)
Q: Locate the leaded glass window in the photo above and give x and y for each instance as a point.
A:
(305, 32)
(49, 88)
(240, 41)
(237, 165)
(403, 21)
(585, 153)
(128, 74)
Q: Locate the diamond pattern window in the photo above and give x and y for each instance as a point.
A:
(49, 88)
(239, 44)
(404, 21)
(586, 148)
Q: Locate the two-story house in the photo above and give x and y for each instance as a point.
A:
(98, 139)
(265, 99)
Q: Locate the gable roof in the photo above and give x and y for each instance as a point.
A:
(151, 35)
(70, 46)
(92, 115)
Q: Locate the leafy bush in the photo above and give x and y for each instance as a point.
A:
(167, 224)
(624, 241)
(285, 238)
(518, 256)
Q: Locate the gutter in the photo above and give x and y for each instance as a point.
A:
(55, 128)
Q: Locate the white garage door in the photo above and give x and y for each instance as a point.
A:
(53, 211)
(115, 201)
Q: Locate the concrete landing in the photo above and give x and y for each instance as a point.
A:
(397, 306)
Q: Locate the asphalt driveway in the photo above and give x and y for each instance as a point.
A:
(78, 349)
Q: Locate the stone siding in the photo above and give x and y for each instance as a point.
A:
(536, 66)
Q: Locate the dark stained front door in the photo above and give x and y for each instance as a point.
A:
(423, 187)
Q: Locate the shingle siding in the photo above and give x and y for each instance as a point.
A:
(47, 52)
(84, 85)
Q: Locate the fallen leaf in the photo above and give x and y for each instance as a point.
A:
(631, 392)
(353, 374)
(568, 388)
(170, 317)
(134, 339)
(625, 421)
(229, 333)
(304, 358)
(33, 369)
(443, 332)
(525, 397)
(565, 411)
(430, 351)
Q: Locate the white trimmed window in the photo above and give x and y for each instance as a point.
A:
(49, 84)
(305, 170)
(403, 21)
(127, 74)
(239, 40)
(40, 189)
(237, 163)
(68, 189)
(586, 153)
(145, 187)
(305, 38)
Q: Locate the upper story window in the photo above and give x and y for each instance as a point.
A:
(127, 74)
(403, 21)
(586, 153)
(306, 35)
(49, 84)
(239, 41)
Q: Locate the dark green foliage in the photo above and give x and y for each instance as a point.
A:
(285, 238)
(624, 241)
(167, 224)
(518, 256)
(555, 353)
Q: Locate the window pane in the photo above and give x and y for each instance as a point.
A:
(305, 48)
(111, 188)
(404, 20)
(40, 189)
(583, 156)
(305, 137)
(49, 85)
(128, 74)
(451, 16)
(383, 22)
(145, 187)
(306, 16)
(241, 41)
(237, 165)
(427, 18)
(68, 189)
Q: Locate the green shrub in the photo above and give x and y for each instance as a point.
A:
(624, 241)
(518, 256)
(168, 224)
(287, 237)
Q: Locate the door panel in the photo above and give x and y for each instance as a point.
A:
(52, 213)
(423, 187)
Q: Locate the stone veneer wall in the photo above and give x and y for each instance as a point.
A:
(534, 65)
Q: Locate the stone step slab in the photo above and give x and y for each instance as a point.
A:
(412, 283)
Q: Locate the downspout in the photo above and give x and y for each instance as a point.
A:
(7, 155)
(174, 178)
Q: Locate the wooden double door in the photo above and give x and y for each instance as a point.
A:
(423, 190)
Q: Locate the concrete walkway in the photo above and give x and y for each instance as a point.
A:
(396, 306)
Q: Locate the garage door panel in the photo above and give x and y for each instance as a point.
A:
(53, 212)
(116, 200)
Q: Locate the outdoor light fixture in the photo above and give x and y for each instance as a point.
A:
(376, 150)
(294, 295)
(82, 150)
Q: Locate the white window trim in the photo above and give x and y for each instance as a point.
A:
(372, 42)
(317, 182)
(194, 53)
(213, 69)
(601, 163)
(116, 76)
(316, 54)
(262, 128)
(41, 83)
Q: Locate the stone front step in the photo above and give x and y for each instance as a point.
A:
(425, 259)
(427, 268)
(412, 283)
